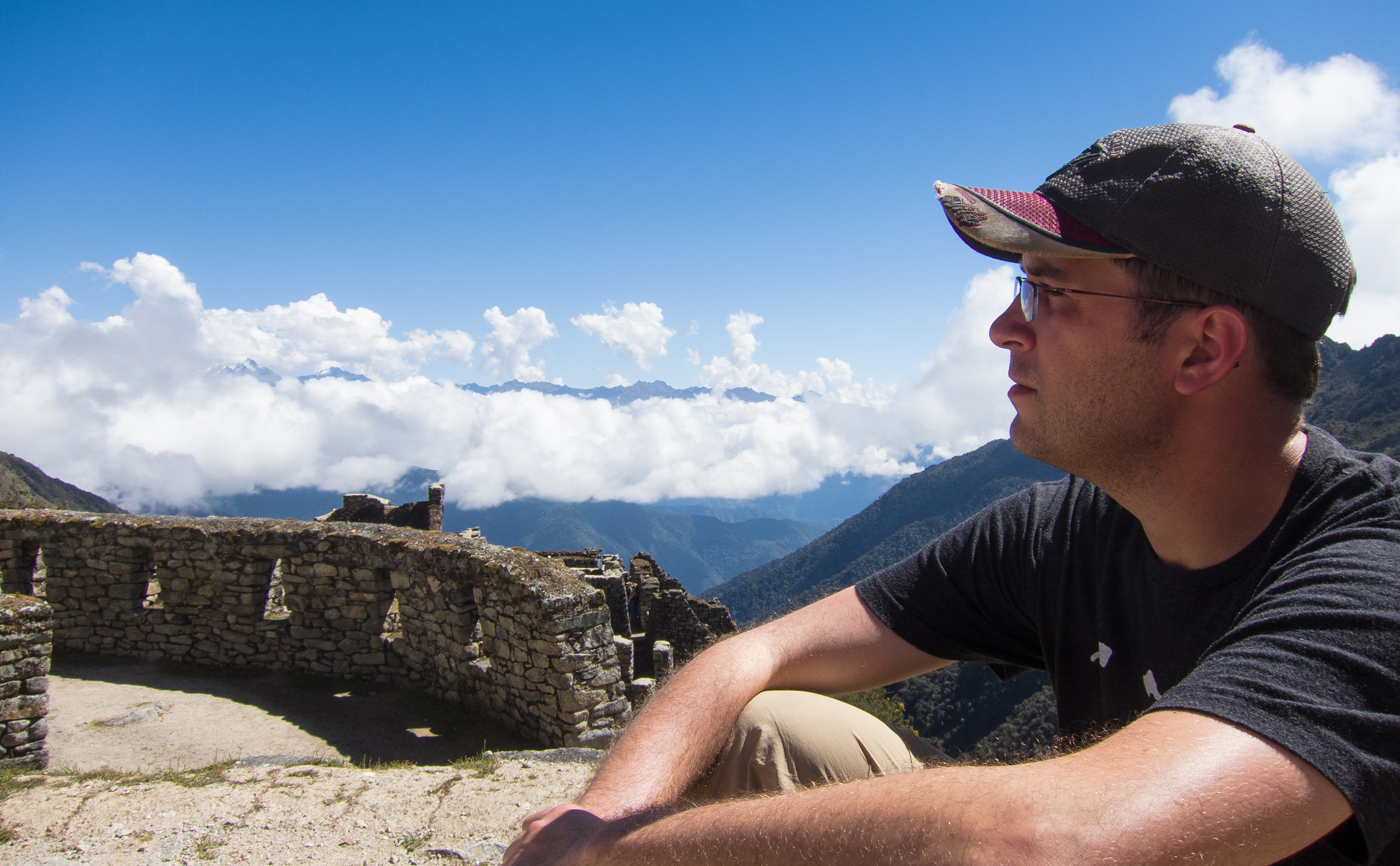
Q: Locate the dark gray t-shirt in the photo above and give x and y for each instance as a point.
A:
(1296, 637)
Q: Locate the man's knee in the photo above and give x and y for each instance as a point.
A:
(786, 740)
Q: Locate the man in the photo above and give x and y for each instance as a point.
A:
(1215, 589)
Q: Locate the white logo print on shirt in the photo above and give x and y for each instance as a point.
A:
(1103, 655)
(1149, 682)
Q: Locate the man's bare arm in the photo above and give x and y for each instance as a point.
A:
(834, 646)
(1170, 788)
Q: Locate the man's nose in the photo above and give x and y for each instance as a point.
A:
(1010, 330)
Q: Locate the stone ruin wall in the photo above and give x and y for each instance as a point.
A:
(26, 639)
(518, 637)
(671, 627)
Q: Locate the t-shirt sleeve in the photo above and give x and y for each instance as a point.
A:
(1313, 664)
(971, 594)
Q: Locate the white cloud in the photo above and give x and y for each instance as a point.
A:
(1368, 199)
(635, 332)
(1344, 112)
(303, 336)
(508, 346)
(1339, 105)
(125, 407)
(737, 369)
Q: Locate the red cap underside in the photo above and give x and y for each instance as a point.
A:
(1039, 212)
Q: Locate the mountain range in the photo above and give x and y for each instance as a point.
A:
(618, 395)
(963, 708)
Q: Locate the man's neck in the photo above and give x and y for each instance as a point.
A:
(1208, 497)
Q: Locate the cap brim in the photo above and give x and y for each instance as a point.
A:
(1005, 224)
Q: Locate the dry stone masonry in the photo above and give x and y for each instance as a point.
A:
(368, 508)
(25, 641)
(664, 625)
(532, 641)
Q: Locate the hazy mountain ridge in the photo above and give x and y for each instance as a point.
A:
(901, 521)
(697, 550)
(618, 395)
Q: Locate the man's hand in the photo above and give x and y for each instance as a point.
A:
(557, 835)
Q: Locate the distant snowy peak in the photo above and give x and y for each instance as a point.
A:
(622, 394)
(272, 377)
(251, 368)
(335, 373)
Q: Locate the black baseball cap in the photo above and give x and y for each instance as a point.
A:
(1217, 205)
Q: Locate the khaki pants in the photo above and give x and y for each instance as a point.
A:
(784, 741)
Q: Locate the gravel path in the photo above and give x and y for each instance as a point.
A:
(158, 765)
(278, 815)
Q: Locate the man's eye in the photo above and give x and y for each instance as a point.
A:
(1051, 290)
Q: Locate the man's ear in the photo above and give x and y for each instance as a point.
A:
(1217, 339)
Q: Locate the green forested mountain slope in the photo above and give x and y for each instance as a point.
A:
(1359, 399)
(911, 513)
(24, 485)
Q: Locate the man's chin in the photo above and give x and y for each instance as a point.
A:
(1024, 439)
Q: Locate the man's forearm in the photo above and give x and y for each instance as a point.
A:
(673, 740)
(884, 821)
(1173, 787)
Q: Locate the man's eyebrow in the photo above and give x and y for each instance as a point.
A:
(1045, 270)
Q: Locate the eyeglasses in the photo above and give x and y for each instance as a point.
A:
(1029, 293)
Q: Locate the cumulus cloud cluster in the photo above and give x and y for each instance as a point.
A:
(636, 332)
(512, 338)
(1343, 113)
(138, 406)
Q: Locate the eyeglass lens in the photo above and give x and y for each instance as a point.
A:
(1025, 289)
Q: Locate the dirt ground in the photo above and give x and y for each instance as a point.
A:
(304, 770)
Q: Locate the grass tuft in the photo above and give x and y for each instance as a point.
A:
(479, 766)
(411, 842)
(196, 778)
(207, 848)
(375, 765)
(14, 781)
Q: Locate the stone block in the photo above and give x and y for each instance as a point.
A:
(610, 708)
(581, 699)
(581, 621)
(596, 739)
(24, 707)
(605, 677)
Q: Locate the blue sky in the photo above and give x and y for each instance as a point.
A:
(431, 161)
